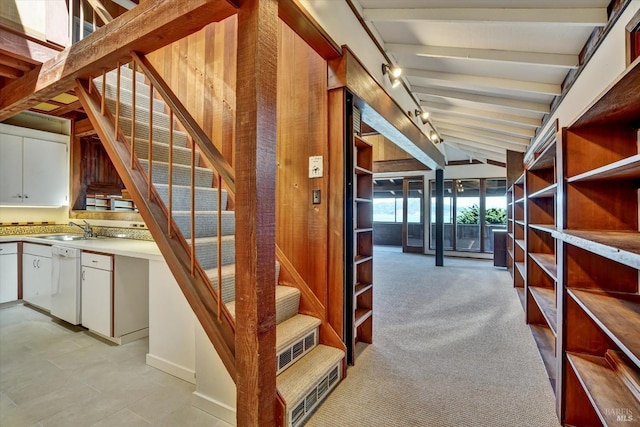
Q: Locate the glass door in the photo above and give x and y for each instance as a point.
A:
(413, 214)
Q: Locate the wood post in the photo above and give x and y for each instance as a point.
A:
(255, 212)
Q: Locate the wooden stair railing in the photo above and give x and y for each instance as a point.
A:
(203, 297)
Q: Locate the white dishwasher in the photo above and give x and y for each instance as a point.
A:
(65, 284)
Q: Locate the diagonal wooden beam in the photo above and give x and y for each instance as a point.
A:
(148, 27)
(101, 11)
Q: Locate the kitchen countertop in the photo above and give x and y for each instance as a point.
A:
(109, 245)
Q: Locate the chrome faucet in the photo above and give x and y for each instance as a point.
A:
(87, 231)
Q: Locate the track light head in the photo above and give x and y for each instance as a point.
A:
(393, 73)
(424, 116)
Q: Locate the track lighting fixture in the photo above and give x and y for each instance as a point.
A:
(393, 73)
(424, 115)
(433, 136)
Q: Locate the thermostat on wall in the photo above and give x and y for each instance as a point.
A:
(315, 167)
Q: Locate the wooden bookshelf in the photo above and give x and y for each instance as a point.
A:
(599, 259)
(362, 287)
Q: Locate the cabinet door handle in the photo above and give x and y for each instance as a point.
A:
(83, 271)
(26, 197)
(34, 263)
(19, 196)
(38, 263)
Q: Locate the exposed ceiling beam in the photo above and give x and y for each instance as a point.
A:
(513, 104)
(476, 152)
(491, 116)
(590, 17)
(486, 132)
(486, 143)
(9, 72)
(488, 82)
(516, 131)
(145, 28)
(12, 62)
(532, 58)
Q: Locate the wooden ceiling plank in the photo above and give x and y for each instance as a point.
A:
(521, 132)
(486, 132)
(481, 142)
(590, 17)
(484, 81)
(531, 58)
(148, 27)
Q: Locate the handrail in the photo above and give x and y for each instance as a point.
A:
(205, 145)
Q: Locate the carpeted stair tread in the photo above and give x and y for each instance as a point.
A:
(294, 383)
(126, 96)
(206, 223)
(181, 155)
(181, 174)
(142, 113)
(287, 301)
(207, 251)
(294, 329)
(229, 280)
(206, 198)
(160, 133)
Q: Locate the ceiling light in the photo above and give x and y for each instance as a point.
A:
(393, 73)
(424, 115)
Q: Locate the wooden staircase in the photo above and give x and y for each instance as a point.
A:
(190, 222)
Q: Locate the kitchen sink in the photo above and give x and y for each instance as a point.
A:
(66, 237)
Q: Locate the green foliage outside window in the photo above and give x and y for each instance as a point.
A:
(471, 215)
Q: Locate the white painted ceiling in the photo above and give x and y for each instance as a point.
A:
(486, 70)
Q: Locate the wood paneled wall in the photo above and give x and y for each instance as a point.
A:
(94, 169)
(201, 70)
(302, 132)
(383, 149)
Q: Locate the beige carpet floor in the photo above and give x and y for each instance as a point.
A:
(450, 349)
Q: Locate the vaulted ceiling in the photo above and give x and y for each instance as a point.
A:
(487, 71)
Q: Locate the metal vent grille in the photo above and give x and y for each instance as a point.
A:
(357, 124)
(314, 397)
(289, 355)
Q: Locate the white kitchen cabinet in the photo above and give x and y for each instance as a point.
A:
(96, 296)
(36, 275)
(34, 167)
(115, 296)
(8, 272)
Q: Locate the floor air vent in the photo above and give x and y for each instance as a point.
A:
(289, 355)
(305, 407)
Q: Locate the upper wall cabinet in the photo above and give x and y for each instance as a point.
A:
(34, 167)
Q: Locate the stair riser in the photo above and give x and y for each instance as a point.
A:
(206, 225)
(160, 134)
(286, 357)
(126, 97)
(127, 73)
(181, 155)
(229, 284)
(206, 253)
(142, 114)
(181, 174)
(206, 199)
(298, 413)
(126, 83)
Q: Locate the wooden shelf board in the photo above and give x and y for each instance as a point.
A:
(359, 142)
(546, 160)
(361, 288)
(618, 103)
(604, 387)
(510, 204)
(547, 347)
(520, 200)
(363, 230)
(628, 168)
(549, 191)
(519, 180)
(520, 222)
(359, 259)
(510, 252)
(520, 292)
(548, 228)
(521, 268)
(619, 246)
(361, 315)
(520, 243)
(617, 314)
(363, 200)
(362, 171)
(547, 262)
(546, 300)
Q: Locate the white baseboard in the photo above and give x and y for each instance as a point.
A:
(171, 368)
(215, 408)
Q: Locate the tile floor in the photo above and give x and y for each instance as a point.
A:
(57, 375)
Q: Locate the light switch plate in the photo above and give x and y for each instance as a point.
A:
(315, 167)
(316, 196)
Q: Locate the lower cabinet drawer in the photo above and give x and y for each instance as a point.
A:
(103, 262)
